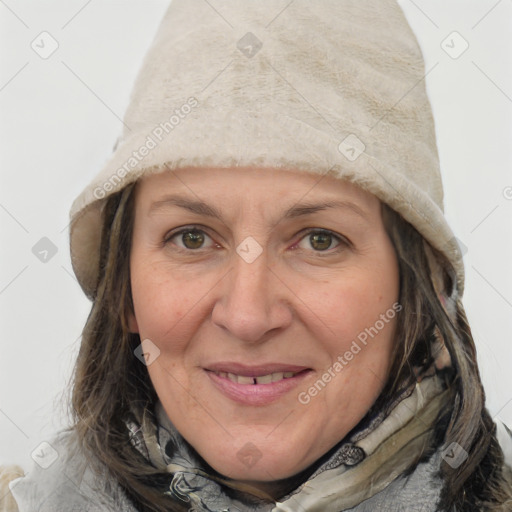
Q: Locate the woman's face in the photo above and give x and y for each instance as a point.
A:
(269, 299)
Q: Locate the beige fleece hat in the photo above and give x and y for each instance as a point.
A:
(322, 86)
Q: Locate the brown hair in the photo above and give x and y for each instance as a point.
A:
(478, 484)
(109, 380)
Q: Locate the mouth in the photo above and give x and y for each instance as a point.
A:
(256, 385)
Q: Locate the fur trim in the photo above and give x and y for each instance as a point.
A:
(7, 476)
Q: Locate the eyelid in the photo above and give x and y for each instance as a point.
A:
(184, 229)
(343, 241)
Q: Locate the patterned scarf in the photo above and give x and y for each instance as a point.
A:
(376, 453)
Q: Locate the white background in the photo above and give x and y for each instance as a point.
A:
(60, 117)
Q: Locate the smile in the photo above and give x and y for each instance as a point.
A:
(256, 385)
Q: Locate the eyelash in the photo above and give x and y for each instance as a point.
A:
(343, 243)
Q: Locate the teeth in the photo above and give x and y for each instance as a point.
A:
(277, 376)
(245, 380)
(263, 379)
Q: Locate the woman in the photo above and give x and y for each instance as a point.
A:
(277, 321)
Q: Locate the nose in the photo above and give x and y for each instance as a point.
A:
(253, 301)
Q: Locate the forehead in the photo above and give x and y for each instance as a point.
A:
(271, 186)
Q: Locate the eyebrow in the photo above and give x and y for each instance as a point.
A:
(298, 210)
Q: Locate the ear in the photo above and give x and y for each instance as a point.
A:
(132, 323)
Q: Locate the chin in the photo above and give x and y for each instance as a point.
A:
(251, 464)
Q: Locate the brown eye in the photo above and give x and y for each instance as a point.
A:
(189, 238)
(192, 239)
(321, 240)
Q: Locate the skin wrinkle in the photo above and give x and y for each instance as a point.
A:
(202, 208)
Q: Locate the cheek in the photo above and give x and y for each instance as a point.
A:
(362, 323)
(350, 307)
(357, 315)
(169, 305)
(160, 305)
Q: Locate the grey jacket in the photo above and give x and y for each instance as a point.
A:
(69, 485)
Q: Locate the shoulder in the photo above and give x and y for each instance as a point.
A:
(417, 492)
(420, 491)
(62, 480)
(7, 475)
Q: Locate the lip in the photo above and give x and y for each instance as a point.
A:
(255, 394)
